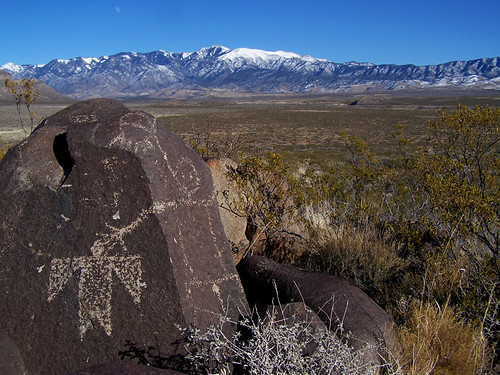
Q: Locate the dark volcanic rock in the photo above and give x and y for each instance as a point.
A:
(123, 368)
(11, 362)
(297, 313)
(110, 232)
(332, 298)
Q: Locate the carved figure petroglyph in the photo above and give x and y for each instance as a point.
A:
(95, 285)
(96, 271)
(96, 275)
(185, 173)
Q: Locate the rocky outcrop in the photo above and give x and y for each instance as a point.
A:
(234, 221)
(110, 232)
(342, 306)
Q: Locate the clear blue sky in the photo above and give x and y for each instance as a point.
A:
(380, 31)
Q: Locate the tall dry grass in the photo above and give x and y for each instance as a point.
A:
(437, 341)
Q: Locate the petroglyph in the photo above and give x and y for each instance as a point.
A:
(134, 120)
(79, 119)
(185, 173)
(95, 285)
(96, 272)
(110, 257)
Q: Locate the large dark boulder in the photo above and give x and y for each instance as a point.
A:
(123, 368)
(110, 232)
(343, 307)
(11, 362)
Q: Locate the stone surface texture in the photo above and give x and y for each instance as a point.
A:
(123, 368)
(11, 362)
(234, 221)
(110, 232)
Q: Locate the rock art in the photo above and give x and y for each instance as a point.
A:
(333, 299)
(110, 232)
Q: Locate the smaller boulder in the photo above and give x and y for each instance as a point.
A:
(298, 313)
(233, 221)
(343, 307)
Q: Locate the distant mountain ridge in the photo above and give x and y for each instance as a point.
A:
(159, 73)
(46, 94)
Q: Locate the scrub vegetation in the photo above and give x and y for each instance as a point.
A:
(408, 212)
(398, 194)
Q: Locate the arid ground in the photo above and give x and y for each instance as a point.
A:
(300, 127)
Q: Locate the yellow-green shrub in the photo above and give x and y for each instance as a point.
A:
(268, 191)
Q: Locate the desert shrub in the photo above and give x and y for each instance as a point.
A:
(456, 188)
(269, 193)
(436, 210)
(360, 255)
(458, 181)
(210, 145)
(437, 341)
(23, 91)
(274, 346)
(464, 186)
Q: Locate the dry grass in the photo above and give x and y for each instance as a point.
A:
(10, 125)
(358, 254)
(436, 341)
(303, 128)
(300, 127)
(300, 133)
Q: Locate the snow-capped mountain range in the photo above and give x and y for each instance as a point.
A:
(159, 73)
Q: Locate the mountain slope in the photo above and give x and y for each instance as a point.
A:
(46, 94)
(244, 70)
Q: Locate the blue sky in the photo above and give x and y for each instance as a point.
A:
(379, 31)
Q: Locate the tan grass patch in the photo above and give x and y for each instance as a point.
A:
(436, 341)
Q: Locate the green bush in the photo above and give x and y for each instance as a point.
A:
(269, 193)
(440, 205)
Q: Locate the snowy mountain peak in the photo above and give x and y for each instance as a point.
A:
(155, 74)
(257, 54)
(12, 68)
(211, 51)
